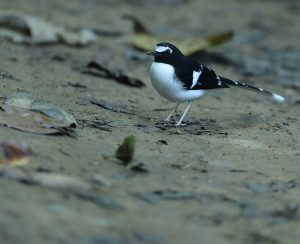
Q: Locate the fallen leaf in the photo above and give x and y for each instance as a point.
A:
(125, 151)
(189, 46)
(21, 28)
(32, 103)
(98, 69)
(15, 153)
(25, 112)
(144, 40)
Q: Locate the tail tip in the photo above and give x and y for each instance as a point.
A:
(278, 98)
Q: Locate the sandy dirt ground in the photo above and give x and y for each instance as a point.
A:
(231, 175)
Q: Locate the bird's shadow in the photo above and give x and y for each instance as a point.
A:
(192, 127)
(195, 126)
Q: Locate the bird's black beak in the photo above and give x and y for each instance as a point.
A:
(152, 53)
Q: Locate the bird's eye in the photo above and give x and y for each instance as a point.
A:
(168, 51)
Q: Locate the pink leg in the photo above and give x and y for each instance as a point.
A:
(184, 113)
(172, 112)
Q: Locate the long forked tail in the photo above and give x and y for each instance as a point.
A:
(274, 96)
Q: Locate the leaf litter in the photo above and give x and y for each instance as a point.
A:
(98, 69)
(145, 40)
(15, 153)
(21, 28)
(25, 112)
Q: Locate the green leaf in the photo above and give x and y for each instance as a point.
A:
(125, 151)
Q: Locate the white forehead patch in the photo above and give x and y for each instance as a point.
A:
(162, 49)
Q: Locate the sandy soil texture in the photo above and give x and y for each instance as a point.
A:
(231, 175)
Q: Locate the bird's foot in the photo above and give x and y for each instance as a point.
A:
(180, 124)
(171, 123)
(177, 124)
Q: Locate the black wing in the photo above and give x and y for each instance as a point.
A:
(184, 71)
(208, 80)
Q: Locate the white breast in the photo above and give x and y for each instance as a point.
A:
(164, 81)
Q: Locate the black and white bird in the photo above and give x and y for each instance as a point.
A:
(179, 78)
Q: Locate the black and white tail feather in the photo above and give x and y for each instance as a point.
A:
(239, 84)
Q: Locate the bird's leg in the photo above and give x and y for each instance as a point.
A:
(172, 112)
(184, 113)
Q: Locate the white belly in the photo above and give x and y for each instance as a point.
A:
(164, 81)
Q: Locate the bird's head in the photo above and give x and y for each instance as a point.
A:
(165, 51)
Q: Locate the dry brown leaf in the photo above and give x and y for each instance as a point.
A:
(188, 46)
(145, 40)
(96, 68)
(15, 153)
(22, 28)
(25, 112)
(32, 103)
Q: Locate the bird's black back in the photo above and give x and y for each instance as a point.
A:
(184, 68)
(209, 80)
